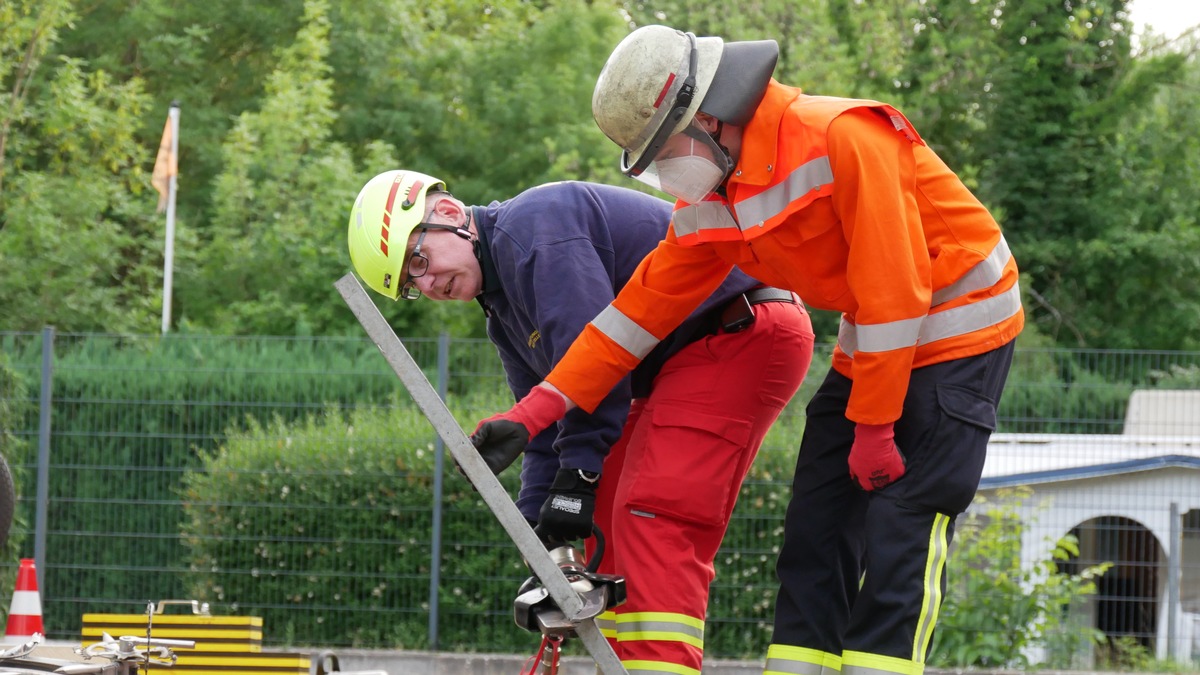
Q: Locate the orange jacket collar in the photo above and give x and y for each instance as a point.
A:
(762, 133)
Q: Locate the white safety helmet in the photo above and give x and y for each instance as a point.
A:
(650, 90)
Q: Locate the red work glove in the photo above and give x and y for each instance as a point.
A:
(875, 461)
(500, 439)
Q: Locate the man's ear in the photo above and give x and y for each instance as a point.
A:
(707, 122)
(447, 207)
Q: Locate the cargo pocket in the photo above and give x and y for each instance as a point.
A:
(956, 456)
(967, 406)
(693, 465)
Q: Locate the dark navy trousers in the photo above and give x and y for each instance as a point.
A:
(862, 575)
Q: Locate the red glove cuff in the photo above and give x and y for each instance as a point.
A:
(539, 409)
(874, 435)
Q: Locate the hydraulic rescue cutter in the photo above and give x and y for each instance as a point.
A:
(535, 609)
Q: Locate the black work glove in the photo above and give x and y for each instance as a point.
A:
(500, 439)
(500, 442)
(567, 513)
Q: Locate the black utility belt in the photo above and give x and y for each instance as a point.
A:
(738, 315)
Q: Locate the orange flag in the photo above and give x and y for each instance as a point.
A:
(165, 166)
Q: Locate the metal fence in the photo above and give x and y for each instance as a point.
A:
(104, 460)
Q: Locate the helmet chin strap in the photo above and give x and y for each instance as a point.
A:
(716, 136)
(468, 232)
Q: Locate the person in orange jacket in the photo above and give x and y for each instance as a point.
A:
(841, 201)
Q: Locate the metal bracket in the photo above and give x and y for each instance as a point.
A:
(493, 494)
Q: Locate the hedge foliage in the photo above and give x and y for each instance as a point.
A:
(323, 528)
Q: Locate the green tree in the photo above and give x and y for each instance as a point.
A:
(1057, 166)
(277, 240)
(1084, 149)
(78, 244)
(212, 56)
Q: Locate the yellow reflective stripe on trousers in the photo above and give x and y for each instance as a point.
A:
(935, 563)
(662, 627)
(607, 623)
(790, 660)
(862, 663)
(657, 668)
(622, 330)
(946, 324)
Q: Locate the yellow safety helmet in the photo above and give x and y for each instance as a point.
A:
(387, 210)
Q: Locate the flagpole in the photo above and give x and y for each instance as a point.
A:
(169, 248)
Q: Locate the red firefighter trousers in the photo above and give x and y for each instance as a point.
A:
(670, 483)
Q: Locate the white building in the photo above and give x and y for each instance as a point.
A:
(1131, 499)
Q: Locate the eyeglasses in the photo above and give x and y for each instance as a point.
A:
(417, 266)
(418, 263)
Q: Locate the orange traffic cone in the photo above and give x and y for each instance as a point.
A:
(25, 612)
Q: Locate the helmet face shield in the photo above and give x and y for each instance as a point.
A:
(689, 165)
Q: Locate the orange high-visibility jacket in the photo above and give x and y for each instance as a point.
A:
(840, 201)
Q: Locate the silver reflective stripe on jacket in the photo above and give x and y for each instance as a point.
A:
(808, 177)
(931, 328)
(754, 211)
(703, 216)
(983, 275)
(622, 330)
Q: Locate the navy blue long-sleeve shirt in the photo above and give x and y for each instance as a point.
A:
(553, 257)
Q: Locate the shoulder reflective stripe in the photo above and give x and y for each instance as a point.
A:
(884, 337)
(693, 218)
(942, 325)
(657, 668)
(901, 124)
(622, 330)
(789, 660)
(935, 567)
(862, 663)
(985, 274)
(811, 175)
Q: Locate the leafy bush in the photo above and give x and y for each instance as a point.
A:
(322, 527)
(995, 612)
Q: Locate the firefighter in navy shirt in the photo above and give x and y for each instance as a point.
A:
(658, 465)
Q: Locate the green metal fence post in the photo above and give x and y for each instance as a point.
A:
(439, 458)
(43, 465)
